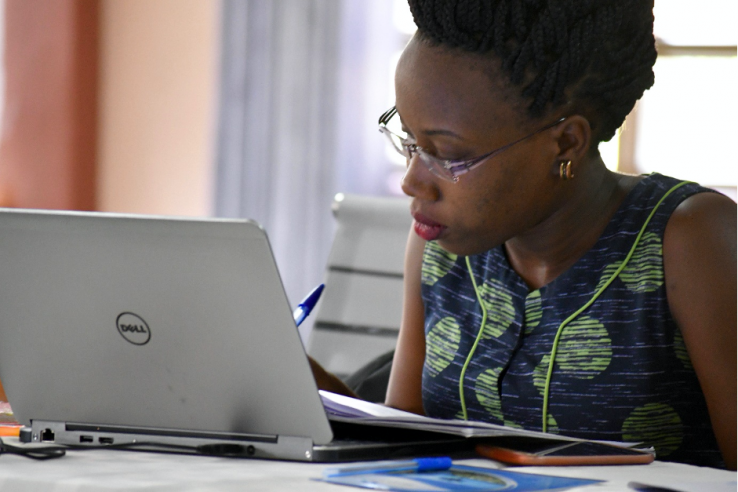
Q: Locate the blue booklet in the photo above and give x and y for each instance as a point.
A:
(455, 478)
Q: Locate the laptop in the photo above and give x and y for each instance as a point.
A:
(165, 334)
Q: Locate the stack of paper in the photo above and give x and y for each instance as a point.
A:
(345, 409)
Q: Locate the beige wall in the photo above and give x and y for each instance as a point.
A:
(158, 67)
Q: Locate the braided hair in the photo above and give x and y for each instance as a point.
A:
(597, 55)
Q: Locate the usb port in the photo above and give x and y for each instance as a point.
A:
(85, 439)
(105, 440)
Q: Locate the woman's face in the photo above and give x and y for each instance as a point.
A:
(451, 107)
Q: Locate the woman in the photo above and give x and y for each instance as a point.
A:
(541, 289)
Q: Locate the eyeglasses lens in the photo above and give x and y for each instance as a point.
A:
(396, 141)
(436, 167)
(393, 131)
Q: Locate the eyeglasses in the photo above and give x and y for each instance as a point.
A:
(445, 169)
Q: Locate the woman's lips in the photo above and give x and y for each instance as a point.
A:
(427, 228)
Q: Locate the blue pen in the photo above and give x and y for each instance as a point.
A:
(303, 309)
(415, 465)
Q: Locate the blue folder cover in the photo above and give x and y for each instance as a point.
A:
(456, 478)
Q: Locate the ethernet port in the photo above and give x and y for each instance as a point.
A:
(47, 435)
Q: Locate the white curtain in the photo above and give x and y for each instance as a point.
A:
(302, 85)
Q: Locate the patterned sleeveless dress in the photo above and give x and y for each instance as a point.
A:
(621, 370)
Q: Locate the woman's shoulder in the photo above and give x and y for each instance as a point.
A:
(690, 207)
(713, 211)
(666, 200)
(701, 225)
(658, 186)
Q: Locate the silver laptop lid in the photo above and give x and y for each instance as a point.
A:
(151, 322)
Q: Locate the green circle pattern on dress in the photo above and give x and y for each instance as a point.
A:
(539, 373)
(657, 425)
(500, 309)
(437, 262)
(539, 381)
(607, 273)
(645, 270)
(585, 348)
(533, 311)
(441, 345)
(485, 389)
(511, 424)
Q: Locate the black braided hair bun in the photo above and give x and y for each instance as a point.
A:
(597, 55)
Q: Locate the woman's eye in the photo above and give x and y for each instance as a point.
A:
(447, 156)
(454, 155)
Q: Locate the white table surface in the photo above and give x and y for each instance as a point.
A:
(103, 470)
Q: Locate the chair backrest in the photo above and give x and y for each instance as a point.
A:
(359, 315)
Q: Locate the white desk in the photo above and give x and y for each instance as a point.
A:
(102, 470)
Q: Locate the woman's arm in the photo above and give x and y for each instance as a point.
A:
(700, 270)
(328, 381)
(404, 391)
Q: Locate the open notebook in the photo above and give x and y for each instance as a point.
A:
(164, 334)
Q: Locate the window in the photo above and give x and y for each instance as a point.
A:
(684, 126)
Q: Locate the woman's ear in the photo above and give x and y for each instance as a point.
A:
(574, 137)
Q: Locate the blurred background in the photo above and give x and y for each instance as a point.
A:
(267, 108)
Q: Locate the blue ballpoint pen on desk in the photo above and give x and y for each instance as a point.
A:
(303, 309)
(416, 465)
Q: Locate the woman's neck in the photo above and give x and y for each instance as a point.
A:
(549, 249)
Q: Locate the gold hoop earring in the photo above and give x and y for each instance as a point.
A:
(565, 171)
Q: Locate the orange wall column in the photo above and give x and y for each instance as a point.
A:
(48, 138)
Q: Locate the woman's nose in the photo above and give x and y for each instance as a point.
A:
(418, 181)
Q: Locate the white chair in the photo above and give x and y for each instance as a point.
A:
(358, 317)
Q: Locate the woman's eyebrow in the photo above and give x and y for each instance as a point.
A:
(446, 133)
(431, 132)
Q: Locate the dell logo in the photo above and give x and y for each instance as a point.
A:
(136, 328)
(133, 328)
